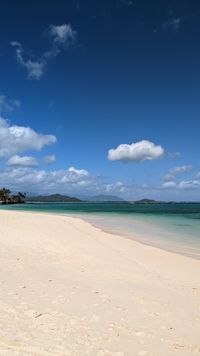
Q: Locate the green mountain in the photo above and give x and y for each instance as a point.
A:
(52, 198)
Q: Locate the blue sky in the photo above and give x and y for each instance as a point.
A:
(81, 78)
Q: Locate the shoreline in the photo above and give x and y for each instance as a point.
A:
(113, 235)
(138, 238)
(142, 238)
(68, 288)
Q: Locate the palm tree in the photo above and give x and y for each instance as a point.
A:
(22, 197)
(4, 195)
(6, 198)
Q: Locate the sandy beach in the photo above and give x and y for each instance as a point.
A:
(67, 288)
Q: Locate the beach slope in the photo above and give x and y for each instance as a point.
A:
(67, 288)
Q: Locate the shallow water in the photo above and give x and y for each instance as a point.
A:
(163, 232)
(174, 227)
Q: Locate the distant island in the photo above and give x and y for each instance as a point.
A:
(7, 198)
(146, 201)
(151, 201)
(31, 197)
(53, 198)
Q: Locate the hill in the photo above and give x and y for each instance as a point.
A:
(145, 201)
(53, 198)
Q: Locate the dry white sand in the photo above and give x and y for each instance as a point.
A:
(68, 288)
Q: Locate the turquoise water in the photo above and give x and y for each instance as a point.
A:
(174, 227)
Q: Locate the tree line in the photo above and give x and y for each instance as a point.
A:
(7, 198)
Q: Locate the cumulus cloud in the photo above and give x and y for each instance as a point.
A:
(81, 172)
(16, 139)
(60, 37)
(23, 161)
(7, 105)
(78, 181)
(169, 184)
(173, 179)
(22, 172)
(189, 184)
(136, 152)
(58, 180)
(68, 181)
(49, 159)
(117, 187)
(183, 185)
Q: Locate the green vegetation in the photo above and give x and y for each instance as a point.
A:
(7, 198)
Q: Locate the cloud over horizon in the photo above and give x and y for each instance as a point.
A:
(177, 171)
(173, 179)
(63, 180)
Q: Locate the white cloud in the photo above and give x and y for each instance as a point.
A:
(8, 105)
(136, 152)
(81, 172)
(190, 184)
(176, 171)
(169, 184)
(35, 66)
(70, 181)
(49, 159)
(116, 188)
(75, 181)
(62, 34)
(41, 180)
(16, 139)
(170, 179)
(23, 161)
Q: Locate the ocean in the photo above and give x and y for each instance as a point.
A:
(174, 227)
